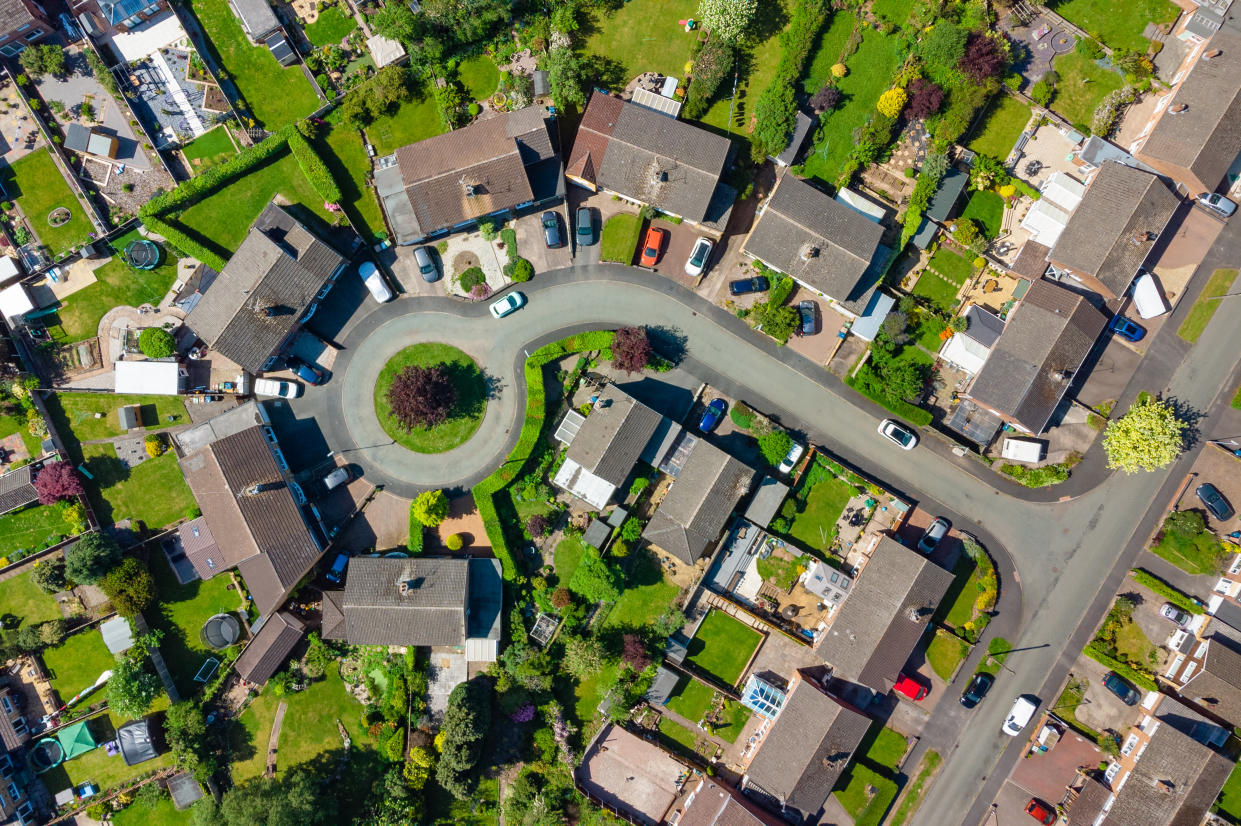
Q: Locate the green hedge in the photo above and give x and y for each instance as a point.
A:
(183, 242)
(780, 291)
(417, 533)
(1094, 652)
(531, 429)
(1173, 595)
(776, 108)
(1037, 477)
(912, 413)
(314, 168)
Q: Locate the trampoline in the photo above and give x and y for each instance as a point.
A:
(221, 631)
(142, 254)
(47, 754)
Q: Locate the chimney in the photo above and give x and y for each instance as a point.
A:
(1140, 237)
(918, 613)
(402, 587)
(1178, 108)
(1211, 54)
(809, 251)
(1165, 786)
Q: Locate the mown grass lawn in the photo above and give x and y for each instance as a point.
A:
(34, 527)
(77, 662)
(827, 51)
(567, 556)
(619, 239)
(1230, 798)
(691, 699)
(987, 209)
(11, 423)
(735, 717)
(642, 36)
(277, 95)
(97, 766)
(74, 413)
(330, 27)
(873, 766)
(467, 413)
(939, 290)
(415, 120)
(945, 653)
(163, 813)
(1005, 119)
(25, 600)
(722, 646)
(757, 67)
(815, 524)
(1205, 306)
(646, 595)
(180, 613)
(677, 738)
(479, 76)
(1083, 83)
(207, 150)
(1067, 703)
(36, 184)
(894, 11)
(1203, 554)
(964, 592)
(1120, 27)
(154, 492)
(345, 156)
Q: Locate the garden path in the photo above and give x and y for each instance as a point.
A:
(274, 740)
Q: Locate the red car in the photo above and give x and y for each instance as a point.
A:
(911, 688)
(1041, 812)
(654, 243)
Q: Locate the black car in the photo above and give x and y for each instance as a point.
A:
(807, 310)
(757, 284)
(1121, 687)
(978, 687)
(1214, 501)
(551, 230)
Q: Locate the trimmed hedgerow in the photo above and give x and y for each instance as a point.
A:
(314, 168)
(1095, 652)
(1173, 595)
(183, 242)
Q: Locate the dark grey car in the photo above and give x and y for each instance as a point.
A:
(585, 228)
(1215, 502)
(551, 230)
(426, 264)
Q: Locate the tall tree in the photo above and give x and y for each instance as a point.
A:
(422, 396)
(129, 586)
(1148, 437)
(132, 687)
(91, 557)
(466, 721)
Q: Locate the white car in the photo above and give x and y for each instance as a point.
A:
(374, 281)
(696, 264)
(897, 433)
(509, 304)
(1218, 204)
(1019, 717)
(282, 389)
(791, 458)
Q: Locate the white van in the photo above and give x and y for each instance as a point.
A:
(1023, 709)
(1147, 299)
(374, 282)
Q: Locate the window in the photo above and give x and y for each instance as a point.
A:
(34, 35)
(23, 28)
(7, 704)
(14, 794)
(9, 50)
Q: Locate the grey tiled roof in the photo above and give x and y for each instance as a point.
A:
(807, 749)
(1113, 229)
(694, 510)
(816, 239)
(270, 648)
(280, 265)
(1217, 684)
(1206, 136)
(614, 435)
(256, 16)
(17, 489)
(1031, 366)
(430, 612)
(879, 625)
(333, 623)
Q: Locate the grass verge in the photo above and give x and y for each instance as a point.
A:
(1205, 306)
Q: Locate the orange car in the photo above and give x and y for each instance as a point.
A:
(654, 243)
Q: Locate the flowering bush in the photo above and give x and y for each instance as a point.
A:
(892, 102)
(523, 715)
(480, 291)
(839, 70)
(727, 19)
(1110, 109)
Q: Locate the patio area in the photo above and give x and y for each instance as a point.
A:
(18, 134)
(175, 108)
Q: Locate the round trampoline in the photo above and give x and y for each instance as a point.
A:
(221, 631)
(47, 754)
(142, 254)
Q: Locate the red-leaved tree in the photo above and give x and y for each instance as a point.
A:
(422, 396)
(925, 98)
(631, 349)
(824, 100)
(983, 59)
(57, 481)
(635, 652)
(537, 525)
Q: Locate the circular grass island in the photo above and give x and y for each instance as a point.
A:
(465, 415)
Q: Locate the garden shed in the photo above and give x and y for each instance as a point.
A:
(118, 636)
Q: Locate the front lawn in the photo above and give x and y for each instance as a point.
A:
(24, 600)
(815, 523)
(873, 768)
(479, 76)
(1206, 305)
(32, 528)
(415, 120)
(207, 150)
(620, 238)
(76, 412)
(1067, 703)
(642, 36)
(1119, 27)
(77, 662)
(330, 27)
(646, 595)
(97, 766)
(37, 185)
(1083, 83)
(722, 646)
(967, 576)
(987, 210)
(466, 414)
(691, 699)
(1203, 554)
(277, 95)
(1229, 802)
(345, 156)
(945, 652)
(1004, 122)
(180, 613)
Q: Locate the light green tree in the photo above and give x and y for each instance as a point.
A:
(430, 508)
(1148, 437)
(727, 19)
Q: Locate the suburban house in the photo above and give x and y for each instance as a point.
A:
(492, 169)
(1203, 21)
(650, 158)
(825, 245)
(714, 803)
(16, 806)
(14, 732)
(880, 624)
(968, 350)
(803, 752)
(707, 484)
(630, 777)
(1110, 234)
(22, 22)
(270, 647)
(1195, 134)
(604, 446)
(259, 22)
(255, 517)
(1035, 360)
(1206, 666)
(271, 285)
(418, 602)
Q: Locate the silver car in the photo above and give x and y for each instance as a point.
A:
(1218, 204)
(426, 265)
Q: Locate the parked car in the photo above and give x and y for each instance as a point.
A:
(1019, 717)
(374, 281)
(1175, 613)
(426, 264)
(977, 688)
(339, 476)
(897, 433)
(509, 304)
(273, 387)
(652, 246)
(712, 415)
(935, 532)
(757, 284)
(1148, 300)
(1121, 687)
(791, 458)
(551, 230)
(585, 227)
(698, 257)
(1218, 204)
(1125, 328)
(1214, 501)
(1041, 812)
(306, 372)
(911, 688)
(337, 570)
(808, 311)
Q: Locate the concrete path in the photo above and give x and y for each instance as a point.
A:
(274, 741)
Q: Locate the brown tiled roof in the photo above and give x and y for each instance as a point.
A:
(715, 804)
(1044, 343)
(880, 624)
(695, 508)
(593, 133)
(1031, 262)
(1089, 803)
(431, 611)
(333, 622)
(17, 489)
(630, 775)
(1217, 684)
(270, 648)
(13, 15)
(200, 547)
(1113, 229)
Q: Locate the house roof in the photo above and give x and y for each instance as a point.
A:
(817, 240)
(614, 435)
(17, 489)
(801, 130)
(629, 774)
(1031, 261)
(279, 267)
(1031, 367)
(984, 326)
(13, 730)
(375, 611)
(270, 648)
(714, 804)
(947, 194)
(1206, 136)
(650, 157)
(698, 503)
(1112, 231)
(1217, 684)
(1089, 802)
(256, 16)
(807, 749)
(879, 625)
(13, 15)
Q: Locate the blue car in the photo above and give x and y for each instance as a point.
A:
(338, 569)
(1125, 328)
(712, 415)
(306, 372)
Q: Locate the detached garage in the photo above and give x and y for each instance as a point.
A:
(152, 378)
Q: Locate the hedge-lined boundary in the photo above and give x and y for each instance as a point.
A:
(1094, 652)
(1173, 595)
(200, 185)
(183, 242)
(531, 429)
(916, 416)
(314, 168)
